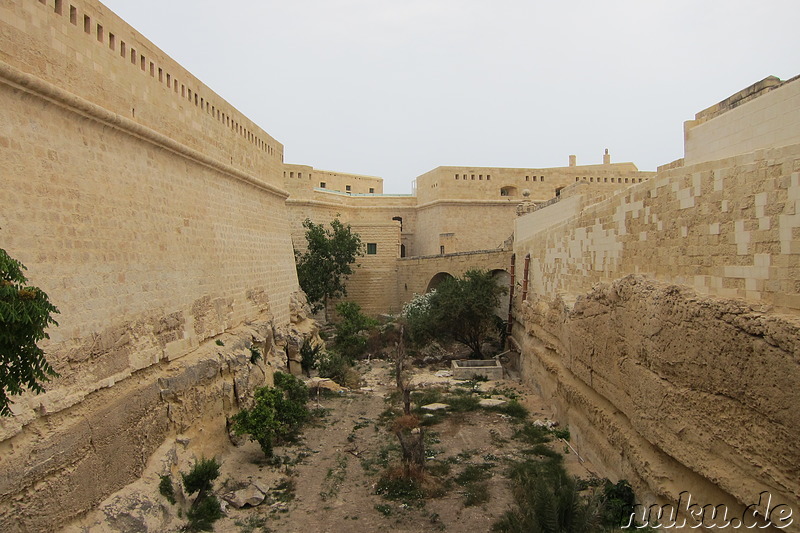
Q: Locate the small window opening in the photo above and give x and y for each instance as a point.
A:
(133, 56)
(321, 184)
(347, 188)
(372, 190)
(99, 33)
(87, 24)
(112, 41)
(73, 15)
(123, 49)
(59, 7)
(441, 249)
(372, 248)
(402, 250)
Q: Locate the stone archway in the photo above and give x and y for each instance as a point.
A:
(437, 279)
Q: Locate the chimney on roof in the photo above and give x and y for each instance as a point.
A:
(573, 161)
(606, 158)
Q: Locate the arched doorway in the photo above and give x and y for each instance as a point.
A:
(437, 279)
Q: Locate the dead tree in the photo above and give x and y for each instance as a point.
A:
(403, 376)
(406, 427)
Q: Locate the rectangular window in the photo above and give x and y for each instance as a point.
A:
(441, 249)
(347, 188)
(87, 24)
(99, 33)
(58, 7)
(73, 15)
(372, 248)
(321, 184)
(112, 41)
(123, 48)
(372, 190)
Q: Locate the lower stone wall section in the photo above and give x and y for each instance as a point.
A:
(672, 390)
(66, 463)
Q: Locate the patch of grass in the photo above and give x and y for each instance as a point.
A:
(334, 478)
(285, 490)
(384, 509)
(508, 392)
(561, 433)
(514, 409)
(476, 494)
(460, 403)
(427, 396)
(401, 489)
(473, 474)
(252, 523)
(532, 434)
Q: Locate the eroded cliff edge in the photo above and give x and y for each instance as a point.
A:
(672, 390)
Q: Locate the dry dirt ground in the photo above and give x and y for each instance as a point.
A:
(328, 481)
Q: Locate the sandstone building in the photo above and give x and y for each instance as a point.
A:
(660, 316)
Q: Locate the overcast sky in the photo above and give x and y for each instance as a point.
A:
(397, 88)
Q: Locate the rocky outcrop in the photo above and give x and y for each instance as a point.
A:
(672, 390)
(81, 454)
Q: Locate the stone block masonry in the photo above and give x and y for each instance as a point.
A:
(663, 324)
(152, 214)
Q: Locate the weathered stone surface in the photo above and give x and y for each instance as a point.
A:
(491, 402)
(673, 390)
(435, 407)
(248, 496)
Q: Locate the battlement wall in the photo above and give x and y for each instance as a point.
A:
(508, 184)
(84, 48)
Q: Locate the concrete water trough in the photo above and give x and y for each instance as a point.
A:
(469, 368)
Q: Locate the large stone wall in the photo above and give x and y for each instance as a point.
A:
(764, 115)
(373, 284)
(664, 324)
(156, 224)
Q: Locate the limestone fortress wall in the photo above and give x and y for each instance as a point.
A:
(661, 318)
(152, 213)
(663, 323)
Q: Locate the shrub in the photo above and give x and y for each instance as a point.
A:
(277, 414)
(339, 368)
(206, 508)
(166, 489)
(350, 341)
(203, 515)
(514, 409)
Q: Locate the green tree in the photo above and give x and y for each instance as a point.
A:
(205, 509)
(325, 265)
(277, 413)
(25, 313)
(461, 309)
(350, 341)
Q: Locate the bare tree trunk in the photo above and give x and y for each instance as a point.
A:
(401, 374)
(412, 445)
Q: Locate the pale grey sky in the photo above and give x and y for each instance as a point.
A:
(396, 88)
